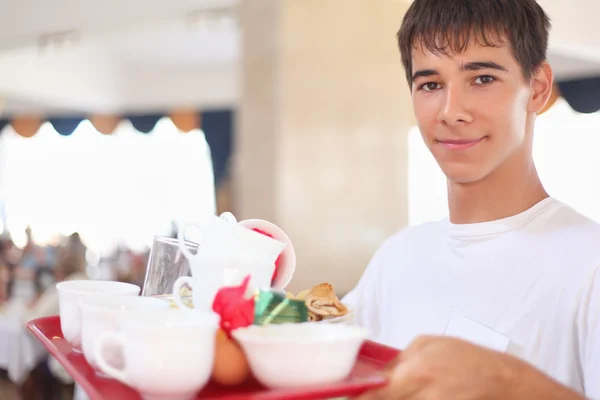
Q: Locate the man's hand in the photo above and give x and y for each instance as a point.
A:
(438, 368)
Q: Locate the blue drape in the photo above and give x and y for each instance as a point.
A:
(218, 129)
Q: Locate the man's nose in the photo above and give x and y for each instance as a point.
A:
(453, 111)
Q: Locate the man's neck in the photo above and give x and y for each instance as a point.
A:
(509, 190)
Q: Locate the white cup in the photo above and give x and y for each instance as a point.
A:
(227, 253)
(70, 293)
(101, 314)
(287, 258)
(168, 354)
(204, 284)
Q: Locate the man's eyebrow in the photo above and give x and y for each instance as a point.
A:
(469, 66)
(424, 72)
(479, 65)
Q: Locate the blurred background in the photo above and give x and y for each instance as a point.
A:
(120, 120)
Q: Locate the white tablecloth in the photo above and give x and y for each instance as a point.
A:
(20, 351)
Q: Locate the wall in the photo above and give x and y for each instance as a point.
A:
(322, 136)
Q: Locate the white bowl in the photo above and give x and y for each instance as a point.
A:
(70, 293)
(101, 313)
(288, 256)
(296, 355)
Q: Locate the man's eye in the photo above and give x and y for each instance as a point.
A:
(430, 86)
(484, 80)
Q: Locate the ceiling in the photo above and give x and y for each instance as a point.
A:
(22, 23)
(69, 56)
(79, 56)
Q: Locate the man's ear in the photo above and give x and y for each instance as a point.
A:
(553, 97)
(542, 82)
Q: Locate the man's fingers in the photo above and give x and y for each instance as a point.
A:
(405, 375)
(376, 394)
(404, 383)
(392, 364)
(370, 395)
(414, 348)
(405, 379)
(422, 341)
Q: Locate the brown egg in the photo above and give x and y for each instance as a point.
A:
(231, 366)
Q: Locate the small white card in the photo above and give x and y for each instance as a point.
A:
(463, 327)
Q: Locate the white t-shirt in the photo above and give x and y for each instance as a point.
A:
(532, 278)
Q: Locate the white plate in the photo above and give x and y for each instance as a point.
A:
(349, 317)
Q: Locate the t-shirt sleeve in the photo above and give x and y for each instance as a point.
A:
(365, 297)
(589, 336)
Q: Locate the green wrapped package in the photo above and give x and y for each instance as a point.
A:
(272, 307)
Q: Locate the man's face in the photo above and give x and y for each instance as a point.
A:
(471, 108)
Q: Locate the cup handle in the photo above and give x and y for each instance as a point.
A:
(182, 280)
(181, 239)
(229, 217)
(103, 365)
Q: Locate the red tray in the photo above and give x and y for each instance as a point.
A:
(366, 374)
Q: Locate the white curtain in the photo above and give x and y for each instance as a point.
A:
(119, 188)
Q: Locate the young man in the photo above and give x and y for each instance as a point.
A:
(512, 269)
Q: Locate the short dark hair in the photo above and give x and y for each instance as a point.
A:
(447, 26)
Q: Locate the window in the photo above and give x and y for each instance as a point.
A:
(120, 188)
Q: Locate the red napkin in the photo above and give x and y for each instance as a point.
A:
(235, 310)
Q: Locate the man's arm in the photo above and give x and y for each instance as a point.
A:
(529, 383)
(434, 368)
(588, 330)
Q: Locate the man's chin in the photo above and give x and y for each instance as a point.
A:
(464, 176)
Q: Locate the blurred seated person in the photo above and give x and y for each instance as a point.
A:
(46, 304)
(5, 277)
(75, 246)
(30, 254)
(33, 257)
(7, 267)
(44, 278)
(49, 378)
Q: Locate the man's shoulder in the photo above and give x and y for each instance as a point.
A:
(572, 238)
(569, 221)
